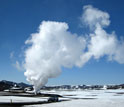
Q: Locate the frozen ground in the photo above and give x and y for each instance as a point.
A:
(88, 98)
(86, 103)
(20, 99)
(77, 98)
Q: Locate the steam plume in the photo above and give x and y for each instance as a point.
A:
(51, 48)
(101, 43)
(54, 47)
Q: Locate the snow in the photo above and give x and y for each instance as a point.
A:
(85, 103)
(20, 99)
(89, 93)
(101, 98)
(75, 98)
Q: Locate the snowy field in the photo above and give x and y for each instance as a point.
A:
(77, 98)
(88, 98)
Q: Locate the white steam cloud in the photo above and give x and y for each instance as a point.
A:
(101, 43)
(54, 47)
(51, 48)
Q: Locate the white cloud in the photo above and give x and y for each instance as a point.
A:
(51, 48)
(18, 66)
(93, 16)
(102, 43)
(54, 47)
(11, 54)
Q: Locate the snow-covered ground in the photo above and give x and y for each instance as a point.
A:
(20, 99)
(86, 103)
(76, 98)
(81, 98)
(88, 93)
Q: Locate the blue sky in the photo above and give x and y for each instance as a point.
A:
(20, 18)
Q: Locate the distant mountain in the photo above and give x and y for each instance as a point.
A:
(6, 85)
(9, 84)
(24, 85)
